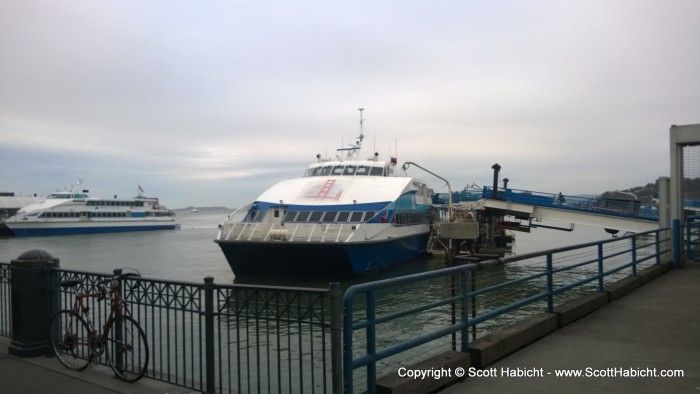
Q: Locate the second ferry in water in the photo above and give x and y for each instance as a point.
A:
(343, 217)
(75, 212)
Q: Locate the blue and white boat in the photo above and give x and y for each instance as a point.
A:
(75, 212)
(343, 217)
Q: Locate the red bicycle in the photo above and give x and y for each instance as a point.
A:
(76, 342)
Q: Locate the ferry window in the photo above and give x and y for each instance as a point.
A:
(356, 216)
(326, 170)
(290, 215)
(362, 170)
(315, 216)
(377, 171)
(338, 170)
(343, 217)
(349, 170)
(253, 216)
(369, 215)
(303, 216)
(329, 217)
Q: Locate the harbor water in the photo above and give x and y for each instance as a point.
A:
(190, 253)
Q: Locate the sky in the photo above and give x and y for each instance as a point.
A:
(208, 103)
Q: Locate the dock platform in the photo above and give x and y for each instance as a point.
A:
(45, 374)
(654, 329)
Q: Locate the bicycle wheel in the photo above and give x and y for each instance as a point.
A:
(126, 349)
(69, 336)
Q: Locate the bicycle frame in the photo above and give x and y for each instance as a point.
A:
(118, 308)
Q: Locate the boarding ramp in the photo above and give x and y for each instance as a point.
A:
(609, 213)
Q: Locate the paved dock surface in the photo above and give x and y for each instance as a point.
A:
(651, 330)
(43, 374)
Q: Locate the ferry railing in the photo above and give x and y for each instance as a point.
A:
(217, 338)
(383, 331)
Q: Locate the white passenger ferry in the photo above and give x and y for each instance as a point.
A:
(75, 212)
(343, 217)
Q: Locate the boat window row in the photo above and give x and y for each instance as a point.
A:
(317, 216)
(408, 218)
(114, 203)
(346, 170)
(328, 216)
(75, 215)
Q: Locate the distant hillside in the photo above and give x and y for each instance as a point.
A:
(205, 209)
(650, 191)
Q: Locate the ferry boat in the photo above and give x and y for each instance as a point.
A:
(345, 216)
(75, 212)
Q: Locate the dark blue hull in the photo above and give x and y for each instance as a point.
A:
(336, 260)
(32, 232)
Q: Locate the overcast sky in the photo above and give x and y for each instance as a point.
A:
(208, 103)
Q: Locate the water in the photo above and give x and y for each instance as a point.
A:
(190, 254)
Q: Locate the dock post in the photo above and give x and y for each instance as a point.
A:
(34, 301)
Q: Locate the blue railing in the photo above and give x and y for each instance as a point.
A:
(382, 333)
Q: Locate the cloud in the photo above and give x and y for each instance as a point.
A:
(211, 102)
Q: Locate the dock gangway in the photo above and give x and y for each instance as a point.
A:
(531, 205)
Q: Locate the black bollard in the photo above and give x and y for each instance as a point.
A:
(34, 300)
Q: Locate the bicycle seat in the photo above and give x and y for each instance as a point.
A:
(70, 283)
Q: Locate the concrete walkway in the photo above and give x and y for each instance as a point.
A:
(47, 375)
(653, 329)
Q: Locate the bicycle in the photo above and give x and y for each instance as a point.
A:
(76, 342)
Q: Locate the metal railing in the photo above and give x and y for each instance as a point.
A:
(692, 237)
(223, 338)
(551, 200)
(5, 297)
(442, 308)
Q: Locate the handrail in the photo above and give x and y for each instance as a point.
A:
(552, 280)
(449, 188)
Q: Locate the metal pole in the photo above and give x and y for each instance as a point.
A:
(371, 342)
(600, 267)
(550, 284)
(209, 334)
(677, 243)
(118, 326)
(496, 168)
(464, 290)
(634, 255)
(336, 338)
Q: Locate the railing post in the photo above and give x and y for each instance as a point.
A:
(347, 342)
(550, 284)
(336, 338)
(600, 267)
(371, 342)
(634, 255)
(658, 247)
(676, 243)
(209, 334)
(118, 325)
(464, 291)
